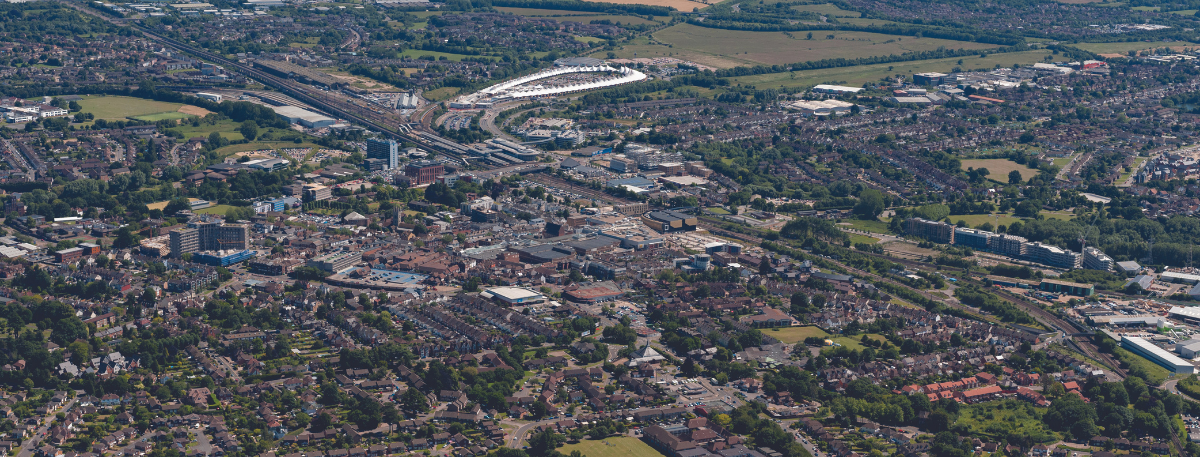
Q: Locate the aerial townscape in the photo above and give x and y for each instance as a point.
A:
(602, 228)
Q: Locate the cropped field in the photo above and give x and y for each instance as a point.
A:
(793, 335)
(730, 48)
(999, 168)
(1125, 47)
(857, 75)
(622, 446)
(120, 108)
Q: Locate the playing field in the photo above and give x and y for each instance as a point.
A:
(857, 75)
(162, 116)
(226, 128)
(216, 209)
(998, 169)
(120, 108)
(623, 446)
(793, 335)
(730, 48)
(256, 145)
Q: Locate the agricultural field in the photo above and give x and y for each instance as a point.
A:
(858, 75)
(1125, 47)
(121, 108)
(623, 446)
(730, 48)
(1000, 168)
(793, 335)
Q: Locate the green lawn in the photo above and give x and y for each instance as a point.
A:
(855, 342)
(215, 209)
(1125, 47)
(440, 94)
(880, 227)
(975, 220)
(998, 169)
(162, 116)
(227, 128)
(417, 53)
(998, 420)
(856, 238)
(120, 108)
(624, 446)
(718, 210)
(793, 335)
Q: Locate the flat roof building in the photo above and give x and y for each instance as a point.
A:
(514, 295)
(669, 221)
(337, 261)
(303, 117)
(1157, 355)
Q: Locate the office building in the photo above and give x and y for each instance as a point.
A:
(1052, 255)
(209, 235)
(1157, 355)
(1009, 245)
(971, 238)
(669, 221)
(317, 192)
(1095, 259)
(386, 150)
(423, 172)
(929, 79)
(937, 232)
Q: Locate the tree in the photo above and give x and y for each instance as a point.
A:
(870, 204)
(764, 266)
(323, 421)
(546, 442)
(1026, 138)
(177, 205)
(125, 238)
(1014, 177)
(415, 401)
(249, 129)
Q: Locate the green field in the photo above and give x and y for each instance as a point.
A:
(826, 9)
(793, 335)
(417, 53)
(857, 75)
(730, 48)
(856, 238)
(440, 94)
(215, 209)
(617, 19)
(1000, 168)
(880, 227)
(717, 210)
(256, 145)
(975, 220)
(1125, 47)
(227, 128)
(623, 446)
(162, 116)
(855, 342)
(120, 108)
(999, 420)
(1156, 374)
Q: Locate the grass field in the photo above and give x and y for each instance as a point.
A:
(1156, 374)
(880, 227)
(1125, 47)
(730, 48)
(1000, 168)
(417, 53)
(617, 19)
(440, 94)
(256, 145)
(718, 210)
(826, 9)
(119, 108)
(541, 12)
(793, 335)
(215, 209)
(998, 420)
(857, 75)
(227, 128)
(856, 238)
(162, 116)
(681, 5)
(975, 220)
(855, 342)
(624, 446)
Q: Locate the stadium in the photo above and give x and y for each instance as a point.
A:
(567, 76)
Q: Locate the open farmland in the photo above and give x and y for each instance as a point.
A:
(731, 48)
(857, 75)
(998, 169)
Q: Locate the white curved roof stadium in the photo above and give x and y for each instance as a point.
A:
(518, 88)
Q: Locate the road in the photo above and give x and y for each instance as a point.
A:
(27, 448)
